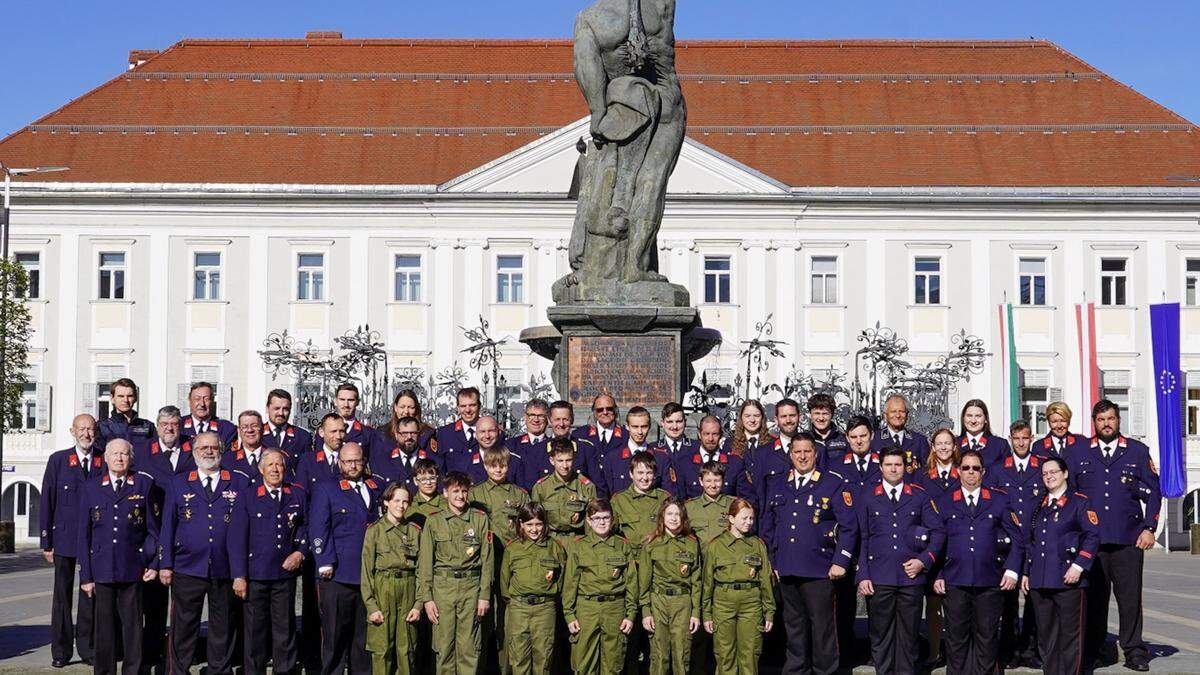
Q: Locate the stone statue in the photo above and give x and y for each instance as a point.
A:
(625, 67)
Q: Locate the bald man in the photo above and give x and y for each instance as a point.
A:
(61, 486)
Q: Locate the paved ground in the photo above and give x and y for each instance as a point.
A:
(1172, 614)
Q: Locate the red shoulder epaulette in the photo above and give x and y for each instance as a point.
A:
(193, 475)
(372, 484)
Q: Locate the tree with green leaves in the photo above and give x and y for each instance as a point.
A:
(16, 323)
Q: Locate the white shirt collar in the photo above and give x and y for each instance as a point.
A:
(216, 473)
(889, 489)
(801, 478)
(974, 494)
(944, 467)
(974, 438)
(634, 447)
(896, 432)
(1020, 461)
(83, 455)
(711, 454)
(1062, 490)
(331, 452)
(113, 478)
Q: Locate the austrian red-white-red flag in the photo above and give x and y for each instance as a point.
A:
(1089, 373)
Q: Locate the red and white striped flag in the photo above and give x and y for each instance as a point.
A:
(1089, 373)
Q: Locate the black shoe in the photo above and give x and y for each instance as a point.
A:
(59, 663)
(1032, 662)
(1137, 663)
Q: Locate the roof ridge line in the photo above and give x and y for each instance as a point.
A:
(751, 77)
(564, 41)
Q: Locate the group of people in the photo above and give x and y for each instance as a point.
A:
(591, 548)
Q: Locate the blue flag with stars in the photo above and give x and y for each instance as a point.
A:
(1168, 395)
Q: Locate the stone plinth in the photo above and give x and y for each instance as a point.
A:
(640, 355)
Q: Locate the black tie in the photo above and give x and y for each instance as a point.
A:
(896, 439)
(975, 446)
(120, 484)
(971, 503)
(862, 465)
(604, 438)
(896, 496)
(279, 435)
(275, 495)
(470, 434)
(208, 487)
(1020, 469)
(945, 474)
(361, 495)
(84, 464)
(203, 427)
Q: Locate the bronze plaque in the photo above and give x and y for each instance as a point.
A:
(633, 369)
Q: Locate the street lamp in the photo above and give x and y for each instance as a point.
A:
(6, 528)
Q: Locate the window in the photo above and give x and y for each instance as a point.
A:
(1191, 279)
(112, 276)
(103, 401)
(32, 262)
(1031, 280)
(824, 280)
(1114, 281)
(1035, 394)
(927, 280)
(207, 276)
(1115, 386)
(408, 278)
(716, 278)
(1193, 406)
(27, 408)
(310, 276)
(510, 278)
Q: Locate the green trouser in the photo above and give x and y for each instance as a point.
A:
(497, 633)
(392, 643)
(599, 647)
(671, 641)
(737, 634)
(529, 636)
(457, 640)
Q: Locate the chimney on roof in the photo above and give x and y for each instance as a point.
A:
(324, 35)
(139, 56)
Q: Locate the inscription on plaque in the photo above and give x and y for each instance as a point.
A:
(633, 369)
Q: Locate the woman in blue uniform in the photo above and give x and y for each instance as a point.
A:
(1063, 534)
(939, 477)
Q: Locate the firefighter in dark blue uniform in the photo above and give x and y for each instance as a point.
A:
(194, 557)
(532, 442)
(674, 445)
(562, 423)
(456, 440)
(339, 516)
(1063, 535)
(984, 557)
(407, 404)
(489, 438)
(939, 474)
(811, 531)
(1060, 442)
(1120, 478)
(1019, 475)
(245, 453)
(859, 467)
(268, 540)
(62, 492)
(895, 431)
(615, 466)
(202, 416)
(900, 537)
(395, 461)
(279, 432)
(118, 526)
(687, 468)
(831, 442)
(345, 403)
(605, 435)
(770, 461)
(975, 425)
(124, 421)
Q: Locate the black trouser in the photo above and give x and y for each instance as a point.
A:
(270, 625)
(156, 602)
(845, 592)
(812, 644)
(310, 617)
(893, 613)
(118, 605)
(63, 631)
(188, 594)
(1060, 615)
(1117, 570)
(972, 618)
(343, 629)
(1017, 641)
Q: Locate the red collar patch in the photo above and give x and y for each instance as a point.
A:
(458, 424)
(957, 496)
(224, 475)
(73, 460)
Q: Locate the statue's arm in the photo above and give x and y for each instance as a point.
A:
(589, 69)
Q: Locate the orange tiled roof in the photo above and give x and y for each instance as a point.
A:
(807, 113)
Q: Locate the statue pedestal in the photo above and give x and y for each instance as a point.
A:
(640, 355)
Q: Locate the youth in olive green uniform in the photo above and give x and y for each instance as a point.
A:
(708, 514)
(565, 493)
(531, 579)
(454, 578)
(739, 600)
(669, 578)
(500, 500)
(600, 595)
(428, 499)
(389, 586)
(635, 511)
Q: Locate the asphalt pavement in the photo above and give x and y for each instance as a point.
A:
(1171, 594)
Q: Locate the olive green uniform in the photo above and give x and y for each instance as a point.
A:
(418, 511)
(669, 578)
(636, 513)
(565, 502)
(421, 508)
(708, 517)
(389, 586)
(531, 578)
(455, 571)
(500, 501)
(738, 597)
(600, 591)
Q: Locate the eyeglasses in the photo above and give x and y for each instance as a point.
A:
(965, 467)
(426, 479)
(604, 410)
(600, 519)
(354, 461)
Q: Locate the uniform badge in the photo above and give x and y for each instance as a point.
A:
(550, 576)
(470, 551)
(825, 503)
(684, 569)
(1092, 518)
(96, 516)
(188, 496)
(810, 500)
(753, 572)
(816, 516)
(228, 517)
(848, 499)
(187, 514)
(1015, 519)
(470, 532)
(616, 572)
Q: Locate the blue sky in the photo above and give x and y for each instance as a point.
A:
(56, 51)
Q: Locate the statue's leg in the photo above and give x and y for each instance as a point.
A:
(630, 156)
(649, 199)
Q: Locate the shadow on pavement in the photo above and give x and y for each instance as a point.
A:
(20, 640)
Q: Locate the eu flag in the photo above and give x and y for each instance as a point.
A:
(1168, 391)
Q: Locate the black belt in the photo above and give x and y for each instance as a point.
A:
(674, 591)
(459, 574)
(399, 574)
(532, 599)
(738, 585)
(603, 598)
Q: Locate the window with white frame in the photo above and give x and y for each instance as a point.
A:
(927, 280)
(1035, 394)
(1191, 279)
(112, 276)
(1114, 282)
(1031, 281)
(310, 276)
(407, 284)
(510, 278)
(32, 262)
(824, 274)
(206, 276)
(717, 276)
(1115, 386)
(27, 408)
(1193, 404)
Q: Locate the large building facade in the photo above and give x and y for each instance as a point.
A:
(222, 191)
